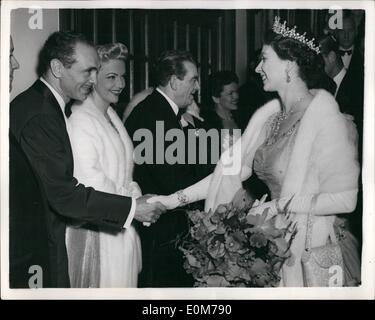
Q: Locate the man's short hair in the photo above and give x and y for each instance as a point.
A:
(348, 14)
(60, 45)
(171, 63)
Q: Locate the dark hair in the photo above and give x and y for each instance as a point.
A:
(112, 51)
(220, 79)
(348, 14)
(59, 45)
(171, 63)
(311, 64)
(327, 44)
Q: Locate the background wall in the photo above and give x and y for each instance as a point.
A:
(241, 45)
(27, 43)
(218, 39)
(210, 36)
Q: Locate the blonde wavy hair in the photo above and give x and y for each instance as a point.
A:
(112, 51)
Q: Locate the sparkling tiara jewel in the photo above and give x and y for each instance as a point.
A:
(281, 28)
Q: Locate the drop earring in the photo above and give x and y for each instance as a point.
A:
(287, 77)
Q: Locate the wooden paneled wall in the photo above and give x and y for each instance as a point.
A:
(208, 34)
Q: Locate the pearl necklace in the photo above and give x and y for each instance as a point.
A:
(280, 117)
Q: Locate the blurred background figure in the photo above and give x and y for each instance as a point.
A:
(349, 85)
(349, 42)
(219, 112)
(223, 112)
(13, 64)
(348, 75)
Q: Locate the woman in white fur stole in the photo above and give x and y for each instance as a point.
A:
(103, 159)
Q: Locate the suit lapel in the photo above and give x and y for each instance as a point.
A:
(341, 89)
(50, 100)
(165, 111)
(357, 61)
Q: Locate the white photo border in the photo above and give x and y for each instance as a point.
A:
(365, 291)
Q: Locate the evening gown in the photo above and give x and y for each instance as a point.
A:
(270, 164)
(102, 152)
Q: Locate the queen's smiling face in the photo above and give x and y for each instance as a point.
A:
(111, 80)
(272, 69)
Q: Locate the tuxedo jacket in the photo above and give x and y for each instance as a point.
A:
(28, 239)
(38, 125)
(163, 178)
(357, 60)
(351, 92)
(162, 261)
(350, 95)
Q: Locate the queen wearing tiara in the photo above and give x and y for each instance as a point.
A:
(302, 147)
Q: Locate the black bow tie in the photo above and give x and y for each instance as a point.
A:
(68, 108)
(180, 113)
(344, 52)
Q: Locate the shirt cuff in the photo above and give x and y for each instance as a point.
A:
(130, 217)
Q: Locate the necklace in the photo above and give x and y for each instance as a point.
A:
(276, 123)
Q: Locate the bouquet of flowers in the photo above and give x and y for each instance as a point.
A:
(229, 248)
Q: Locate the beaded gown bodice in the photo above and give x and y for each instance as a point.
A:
(272, 158)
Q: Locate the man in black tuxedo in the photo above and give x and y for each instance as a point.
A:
(27, 228)
(350, 93)
(177, 81)
(349, 43)
(67, 67)
(349, 82)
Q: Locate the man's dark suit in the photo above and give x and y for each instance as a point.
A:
(357, 60)
(351, 91)
(37, 122)
(162, 261)
(350, 97)
(28, 240)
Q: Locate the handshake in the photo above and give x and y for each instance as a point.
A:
(148, 212)
(150, 207)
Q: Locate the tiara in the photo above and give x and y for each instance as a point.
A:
(281, 28)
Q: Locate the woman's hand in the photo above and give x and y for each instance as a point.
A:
(270, 205)
(260, 205)
(170, 202)
(260, 202)
(274, 207)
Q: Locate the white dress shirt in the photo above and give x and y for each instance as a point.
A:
(61, 103)
(338, 79)
(173, 106)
